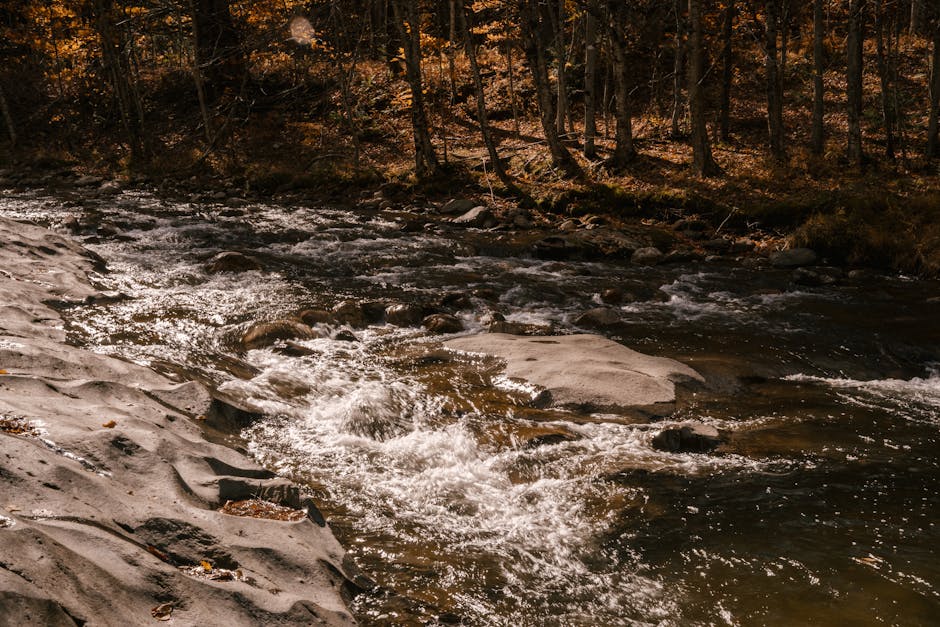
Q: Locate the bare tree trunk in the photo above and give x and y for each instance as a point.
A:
(727, 62)
(624, 150)
(884, 77)
(915, 16)
(819, 131)
(7, 117)
(481, 106)
(512, 89)
(933, 125)
(590, 80)
(533, 24)
(218, 47)
(772, 77)
(118, 71)
(854, 68)
(406, 19)
(561, 60)
(677, 104)
(702, 161)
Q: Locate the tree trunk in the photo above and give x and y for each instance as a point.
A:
(884, 77)
(7, 117)
(854, 68)
(119, 72)
(533, 27)
(677, 104)
(590, 80)
(933, 125)
(624, 151)
(819, 131)
(702, 161)
(406, 19)
(561, 61)
(915, 16)
(218, 49)
(772, 77)
(727, 62)
(481, 105)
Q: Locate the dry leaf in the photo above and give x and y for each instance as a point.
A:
(206, 566)
(109, 425)
(162, 612)
(2, 371)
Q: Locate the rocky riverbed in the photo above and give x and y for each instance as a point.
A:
(110, 494)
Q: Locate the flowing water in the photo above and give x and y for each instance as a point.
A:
(821, 509)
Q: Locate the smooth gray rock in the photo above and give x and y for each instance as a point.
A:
(478, 217)
(459, 205)
(793, 258)
(585, 370)
(109, 511)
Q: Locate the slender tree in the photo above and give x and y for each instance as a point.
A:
(854, 69)
(727, 69)
(409, 27)
(819, 25)
(590, 79)
(933, 125)
(702, 161)
(774, 84)
(678, 105)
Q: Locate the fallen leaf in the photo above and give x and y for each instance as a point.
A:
(109, 425)
(206, 566)
(2, 371)
(162, 612)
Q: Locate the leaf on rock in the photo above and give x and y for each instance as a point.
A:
(162, 612)
(206, 566)
(109, 425)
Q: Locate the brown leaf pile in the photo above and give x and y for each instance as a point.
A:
(256, 508)
(14, 425)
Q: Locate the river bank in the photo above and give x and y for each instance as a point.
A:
(111, 494)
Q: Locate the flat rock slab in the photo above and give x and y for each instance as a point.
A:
(586, 371)
(110, 493)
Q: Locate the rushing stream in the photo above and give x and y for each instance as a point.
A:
(822, 509)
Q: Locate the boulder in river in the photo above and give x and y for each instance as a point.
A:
(231, 261)
(793, 258)
(459, 206)
(478, 217)
(403, 315)
(586, 371)
(263, 334)
(443, 323)
(349, 312)
(313, 317)
(691, 437)
(648, 256)
(817, 277)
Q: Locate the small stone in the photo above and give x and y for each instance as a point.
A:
(314, 317)
(263, 334)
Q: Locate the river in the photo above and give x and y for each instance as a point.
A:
(821, 509)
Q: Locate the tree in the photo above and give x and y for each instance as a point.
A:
(624, 151)
(727, 63)
(219, 59)
(819, 93)
(933, 125)
(774, 81)
(409, 26)
(590, 78)
(702, 161)
(854, 69)
(536, 31)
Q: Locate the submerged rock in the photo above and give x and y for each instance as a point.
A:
(264, 334)
(793, 258)
(231, 261)
(586, 371)
(598, 317)
(349, 312)
(691, 437)
(648, 256)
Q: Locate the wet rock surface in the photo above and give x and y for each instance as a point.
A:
(109, 499)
